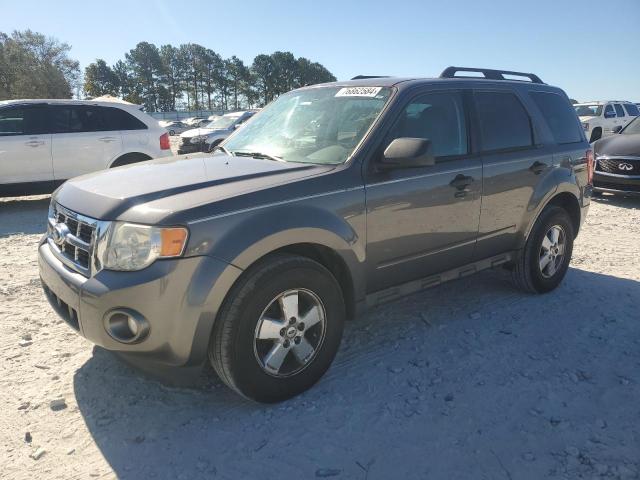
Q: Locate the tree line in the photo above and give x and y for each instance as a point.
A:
(164, 78)
(193, 77)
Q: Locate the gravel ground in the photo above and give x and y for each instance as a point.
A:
(472, 379)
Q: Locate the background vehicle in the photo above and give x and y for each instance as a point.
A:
(335, 198)
(45, 142)
(618, 162)
(600, 119)
(176, 127)
(205, 139)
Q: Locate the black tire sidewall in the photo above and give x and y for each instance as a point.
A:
(555, 216)
(246, 373)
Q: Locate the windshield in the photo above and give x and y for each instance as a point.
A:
(633, 127)
(223, 122)
(316, 125)
(588, 110)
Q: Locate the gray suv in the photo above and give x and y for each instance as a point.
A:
(334, 198)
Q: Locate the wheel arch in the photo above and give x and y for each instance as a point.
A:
(565, 199)
(129, 158)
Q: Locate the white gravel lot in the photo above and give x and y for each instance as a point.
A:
(471, 380)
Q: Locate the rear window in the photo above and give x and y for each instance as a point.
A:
(632, 110)
(89, 118)
(504, 122)
(559, 115)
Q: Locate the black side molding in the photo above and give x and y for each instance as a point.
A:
(450, 72)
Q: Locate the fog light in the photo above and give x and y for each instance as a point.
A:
(126, 326)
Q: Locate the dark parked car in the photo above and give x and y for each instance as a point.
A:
(334, 198)
(618, 162)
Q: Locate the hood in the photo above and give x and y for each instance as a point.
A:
(194, 132)
(586, 118)
(157, 190)
(618, 145)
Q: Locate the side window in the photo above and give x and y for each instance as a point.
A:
(632, 110)
(28, 120)
(77, 119)
(559, 115)
(619, 110)
(608, 111)
(504, 122)
(438, 117)
(118, 119)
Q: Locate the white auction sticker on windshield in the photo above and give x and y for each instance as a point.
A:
(358, 92)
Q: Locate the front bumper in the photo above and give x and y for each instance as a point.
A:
(618, 184)
(179, 298)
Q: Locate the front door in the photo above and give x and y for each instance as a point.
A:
(422, 221)
(25, 146)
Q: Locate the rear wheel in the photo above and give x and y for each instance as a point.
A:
(172, 132)
(545, 258)
(279, 329)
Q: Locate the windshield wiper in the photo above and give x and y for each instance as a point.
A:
(258, 155)
(223, 149)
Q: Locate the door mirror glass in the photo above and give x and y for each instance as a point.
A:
(408, 152)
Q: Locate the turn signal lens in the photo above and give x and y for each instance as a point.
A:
(590, 166)
(172, 241)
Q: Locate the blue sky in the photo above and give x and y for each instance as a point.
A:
(589, 48)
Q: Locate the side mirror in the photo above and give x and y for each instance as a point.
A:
(609, 114)
(617, 129)
(408, 153)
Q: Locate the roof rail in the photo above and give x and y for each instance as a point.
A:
(450, 72)
(364, 77)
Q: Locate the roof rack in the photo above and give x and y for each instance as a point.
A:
(364, 77)
(489, 74)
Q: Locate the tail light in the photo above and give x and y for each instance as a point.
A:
(164, 141)
(590, 166)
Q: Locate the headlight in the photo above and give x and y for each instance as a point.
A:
(585, 126)
(199, 139)
(134, 247)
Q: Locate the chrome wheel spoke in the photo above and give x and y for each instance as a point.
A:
(544, 261)
(289, 305)
(551, 268)
(561, 249)
(546, 243)
(275, 358)
(555, 235)
(312, 317)
(270, 329)
(303, 350)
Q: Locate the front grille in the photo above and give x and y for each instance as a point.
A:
(619, 166)
(72, 236)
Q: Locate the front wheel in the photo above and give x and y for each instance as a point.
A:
(279, 329)
(545, 258)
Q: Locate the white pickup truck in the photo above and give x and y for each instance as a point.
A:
(600, 119)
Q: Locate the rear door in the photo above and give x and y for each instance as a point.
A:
(25, 145)
(513, 165)
(423, 221)
(621, 118)
(82, 141)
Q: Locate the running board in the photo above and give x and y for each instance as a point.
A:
(394, 293)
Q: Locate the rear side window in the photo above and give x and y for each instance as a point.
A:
(27, 120)
(121, 120)
(632, 110)
(619, 110)
(559, 115)
(504, 122)
(77, 119)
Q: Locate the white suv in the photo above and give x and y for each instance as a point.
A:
(600, 119)
(45, 142)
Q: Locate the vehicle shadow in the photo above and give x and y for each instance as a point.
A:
(629, 201)
(445, 383)
(26, 215)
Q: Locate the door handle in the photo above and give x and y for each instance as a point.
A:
(107, 139)
(461, 182)
(34, 143)
(538, 167)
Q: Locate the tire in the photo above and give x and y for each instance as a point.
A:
(596, 135)
(172, 132)
(241, 360)
(528, 273)
(129, 158)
